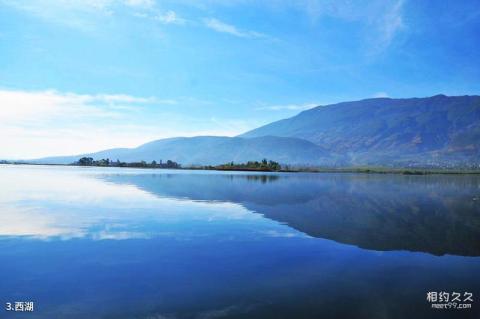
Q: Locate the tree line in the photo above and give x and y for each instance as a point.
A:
(264, 165)
(88, 161)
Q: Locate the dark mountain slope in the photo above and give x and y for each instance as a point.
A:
(418, 130)
(437, 131)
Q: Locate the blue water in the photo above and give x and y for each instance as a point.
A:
(164, 244)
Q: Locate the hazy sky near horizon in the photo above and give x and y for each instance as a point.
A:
(84, 75)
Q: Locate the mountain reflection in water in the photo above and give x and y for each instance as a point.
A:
(434, 214)
(103, 243)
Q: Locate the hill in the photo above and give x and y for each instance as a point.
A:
(434, 131)
(214, 150)
(438, 131)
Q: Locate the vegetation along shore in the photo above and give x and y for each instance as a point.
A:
(258, 166)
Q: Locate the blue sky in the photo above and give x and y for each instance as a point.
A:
(79, 76)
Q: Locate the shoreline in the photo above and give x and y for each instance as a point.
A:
(356, 170)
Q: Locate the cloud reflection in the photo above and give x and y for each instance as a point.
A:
(44, 202)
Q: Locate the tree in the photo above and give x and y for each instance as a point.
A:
(274, 165)
(85, 161)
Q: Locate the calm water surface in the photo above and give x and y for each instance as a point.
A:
(165, 244)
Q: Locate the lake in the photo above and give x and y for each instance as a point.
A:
(167, 244)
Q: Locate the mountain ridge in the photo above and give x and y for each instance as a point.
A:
(214, 150)
(434, 131)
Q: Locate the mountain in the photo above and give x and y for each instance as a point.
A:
(437, 130)
(213, 150)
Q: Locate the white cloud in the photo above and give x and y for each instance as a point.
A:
(382, 19)
(170, 17)
(24, 105)
(223, 27)
(77, 14)
(38, 124)
(299, 107)
(83, 15)
(388, 26)
(49, 122)
(380, 94)
(219, 26)
(140, 3)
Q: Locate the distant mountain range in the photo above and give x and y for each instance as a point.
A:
(436, 131)
(432, 131)
(214, 150)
